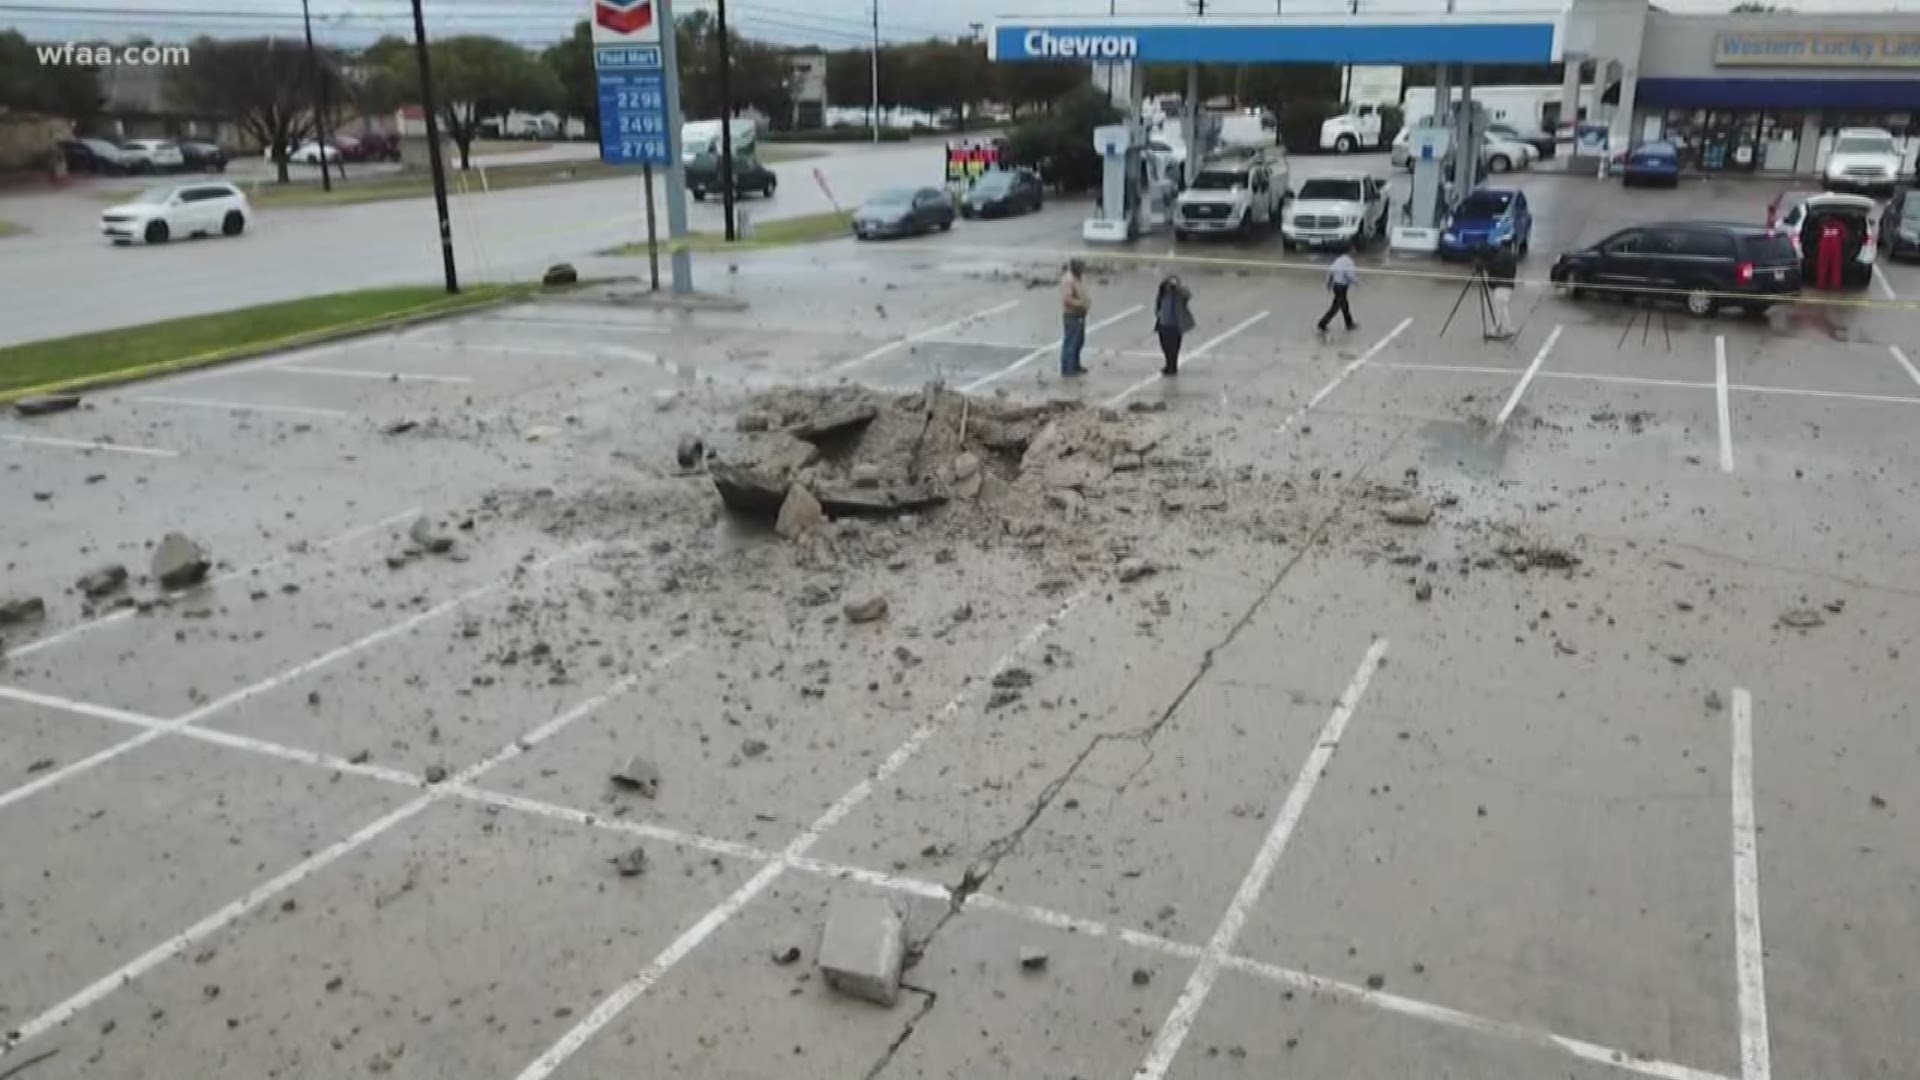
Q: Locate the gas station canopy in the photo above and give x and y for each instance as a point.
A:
(1489, 38)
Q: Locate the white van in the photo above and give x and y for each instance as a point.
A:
(702, 137)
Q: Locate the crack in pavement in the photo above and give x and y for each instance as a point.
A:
(886, 1056)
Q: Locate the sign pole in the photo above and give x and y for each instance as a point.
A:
(653, 233)
(676, 168)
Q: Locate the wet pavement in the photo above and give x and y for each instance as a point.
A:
(1603, 771)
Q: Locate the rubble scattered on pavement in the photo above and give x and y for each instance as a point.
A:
(1033, 960)
(640, 776)
(871, 609)
(1802, 618)
(180, 562)
(630, 863)
(862, 948)
(102, 582)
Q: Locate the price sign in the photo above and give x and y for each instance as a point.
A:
(633, 106)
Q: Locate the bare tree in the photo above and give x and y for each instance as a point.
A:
(262, 84)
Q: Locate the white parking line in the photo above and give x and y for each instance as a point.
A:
(1345, 372)
(243, 406)
(381, 376)
(1756, 1050)
(127, 613)
(1886, 287)
(1017, 365)
(1720, 391)
(89, 444)
(901, 343)
(1629, 380)
(1464, 369)
(1173, 1033)
(1901, 356)
(313, 864)
(1513, 402)
(610, 1007)
(1192, 358)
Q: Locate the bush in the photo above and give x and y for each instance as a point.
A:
(835, 135)
(1059, 143)
(1300, 123)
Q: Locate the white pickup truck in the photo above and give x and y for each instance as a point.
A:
(1339, 210)
(1236, 191)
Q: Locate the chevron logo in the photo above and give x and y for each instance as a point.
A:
(623, 16)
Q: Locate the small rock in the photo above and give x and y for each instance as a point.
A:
(101, 582)
(1134, 569)
(966, 466)
(436, 774)
(1408, 512)
(1714, 704)
(401, 427)
(43, 764)
(1836, 606)
(872, 609)
(1802, 618)
(1141, 976)
(17, 610)
(640, 776)
(753, 421)
(1376, 981)
(866, 474)
(1013, 678)
(753, 748)
(46, 404)
(1033, 960)
(1874, 801)
(1423, 591)
(180, 562)
(800, 513)
(360, 757)
(690, 452)
(630, 863)
(429, 538)
(786, 956)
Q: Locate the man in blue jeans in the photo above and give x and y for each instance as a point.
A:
(1074, 305)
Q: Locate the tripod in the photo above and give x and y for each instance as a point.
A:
(1488, 323)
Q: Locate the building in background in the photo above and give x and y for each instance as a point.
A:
(809, 89)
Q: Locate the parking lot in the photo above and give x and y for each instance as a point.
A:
(1605, 770)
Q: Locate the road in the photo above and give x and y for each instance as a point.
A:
(61, 279)
(1390, 704)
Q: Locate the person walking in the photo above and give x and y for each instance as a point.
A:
(1074, 305)
(1342, 276)
(1172, 320)
(1502, 269)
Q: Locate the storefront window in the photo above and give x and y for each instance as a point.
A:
(1734, 140)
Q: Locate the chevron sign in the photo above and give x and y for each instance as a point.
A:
(624, 21)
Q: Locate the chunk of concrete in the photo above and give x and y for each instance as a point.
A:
(19, 610)
(180, 562)
(835, 422)
(639, 775)
(862, 948)
(800, 513)
(46, 404)
(101, 582)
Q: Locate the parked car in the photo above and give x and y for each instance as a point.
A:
(306, 154)
(161, 213)
(1339, 210)
(1488, 218)
(1003, 193)
(379, 146)
(749, 176)
(1707, 264)
(350, 148)
(1864, 159)
(152, 155)
(1542, 143)
(203, 156)
(1900, 225)
(1236, 191)
(1651, 163)
(1500, 154)
(903, 212)
(96, 156)
(1802, 215)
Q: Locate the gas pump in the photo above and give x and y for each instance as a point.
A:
(1427, 205)
(1130, 198)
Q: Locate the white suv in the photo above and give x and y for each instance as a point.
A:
(1864, 158)
(161, 213)
(1234, 192)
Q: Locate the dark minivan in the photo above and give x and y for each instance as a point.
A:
(1707, 264)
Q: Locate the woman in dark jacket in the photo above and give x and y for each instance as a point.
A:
(1172, 320)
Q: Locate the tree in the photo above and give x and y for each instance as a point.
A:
(71, 91)
(477, 78)
(571, 61)
(382, 78)
(1059, 142)
(762, 77)
(261, 84)
(1038, 84)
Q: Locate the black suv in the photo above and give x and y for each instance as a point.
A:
(749, 176)
(1707, 264)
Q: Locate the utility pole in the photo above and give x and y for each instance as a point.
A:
(433, 147)
(873, 111)
(319, 101)
(726, 126)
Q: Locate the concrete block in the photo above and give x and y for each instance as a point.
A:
(862, 948)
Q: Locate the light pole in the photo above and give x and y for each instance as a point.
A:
(319, 101)
(433, 147)
(873, 110)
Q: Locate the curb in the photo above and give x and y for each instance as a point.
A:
(304, 339)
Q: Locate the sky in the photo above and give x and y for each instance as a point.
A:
(827, 23)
